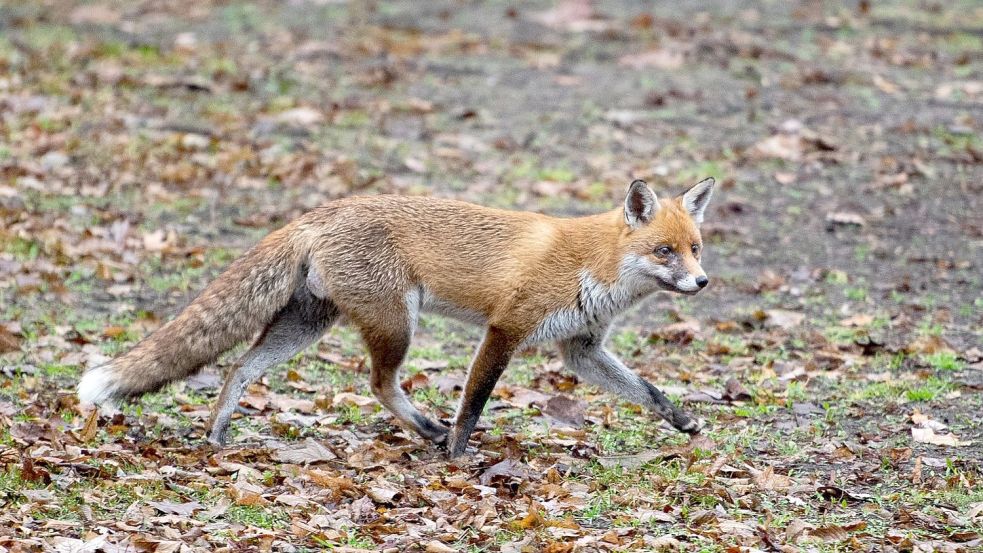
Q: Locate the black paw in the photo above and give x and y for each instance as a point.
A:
(436, 433)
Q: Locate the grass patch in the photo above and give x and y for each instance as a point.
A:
(260, 517)
(943, 361)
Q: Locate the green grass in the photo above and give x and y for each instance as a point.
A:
(929, 390)
(261, 517)
(57, 371)
(943, 361)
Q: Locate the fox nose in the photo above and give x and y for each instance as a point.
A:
(702, 281)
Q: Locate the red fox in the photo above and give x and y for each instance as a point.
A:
(378, 261)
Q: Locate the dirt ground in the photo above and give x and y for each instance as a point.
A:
(837, 354)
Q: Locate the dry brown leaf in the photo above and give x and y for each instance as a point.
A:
(928, 436)
(860, 319)
(780, 318)
(312, 451)
(508, 468)
(91, 427)
(8, 341)
(768, 479)
(383, 494)
(735, 391)
(247, 494)
(435, 546)
(365, 404)
(533, 518)
(836, 533)
(795, 529)
(183, 509)
(566, 410)
(287, 403)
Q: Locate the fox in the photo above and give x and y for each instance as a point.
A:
(378, 262)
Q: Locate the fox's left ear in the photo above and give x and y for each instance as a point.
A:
(695, 199)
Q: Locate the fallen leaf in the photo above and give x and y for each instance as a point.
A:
(654, 515)
(383, 495)
(418, 381)
(768, 479)
(928, 436)
(523, 398)
(91, 426)
(247, 494)
(795, 529)
(781, 146)
(916, 471)
(533, 518)
(183, 509)
(302, 116)
(365, 404)
(291, 500)
(735, 391)
(507, 468)
(566, 410)
(435, 546)
(780, 318)
(287, 403)
(8, 341)
(363, 510)
(312, 451)
(860, 319)
(835, 533)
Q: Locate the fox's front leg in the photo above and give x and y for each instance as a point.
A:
(586, 356)
(488, 365)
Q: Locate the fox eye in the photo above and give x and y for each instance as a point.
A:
(663, 251)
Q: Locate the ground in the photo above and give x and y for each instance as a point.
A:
(836, 355)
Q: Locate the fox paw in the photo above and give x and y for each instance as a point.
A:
(690, 425)
(436, 432)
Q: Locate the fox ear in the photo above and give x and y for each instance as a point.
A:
(695, 199)
(640, 204)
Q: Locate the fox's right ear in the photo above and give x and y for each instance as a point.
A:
(640, 204)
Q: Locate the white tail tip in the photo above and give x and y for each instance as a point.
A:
(98, 386)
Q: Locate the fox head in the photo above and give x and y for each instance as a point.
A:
(661, 238)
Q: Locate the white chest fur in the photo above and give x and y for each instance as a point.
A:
(597, 304)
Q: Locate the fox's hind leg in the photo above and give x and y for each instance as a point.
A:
(387, 331)
(299, 324)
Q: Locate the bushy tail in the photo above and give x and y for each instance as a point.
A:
(233, 308)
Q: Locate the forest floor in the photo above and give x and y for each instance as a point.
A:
(837, 354)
